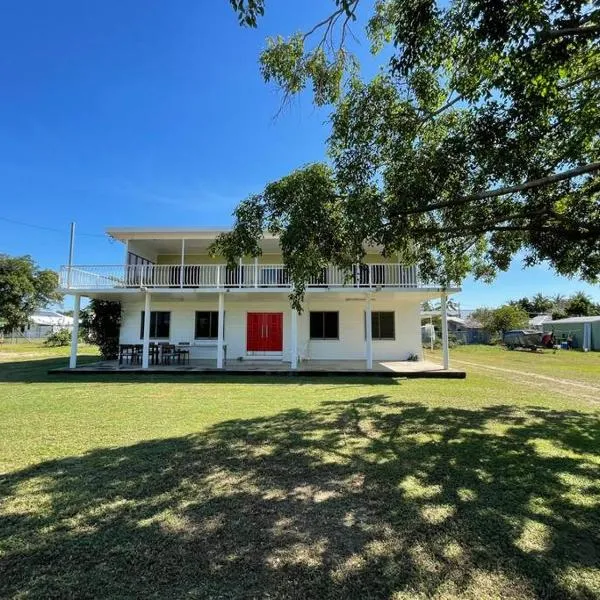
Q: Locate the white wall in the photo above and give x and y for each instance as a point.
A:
(351, 344)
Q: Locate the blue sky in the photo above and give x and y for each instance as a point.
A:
(137, 113)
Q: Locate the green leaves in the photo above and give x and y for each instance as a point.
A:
(24, 287)
(248, 11)
(450, 156)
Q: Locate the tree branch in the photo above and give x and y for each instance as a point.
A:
(556, 33)
(570, 174)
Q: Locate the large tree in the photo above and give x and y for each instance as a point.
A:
(24, 287)
(478, 140)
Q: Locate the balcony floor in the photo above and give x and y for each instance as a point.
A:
(419, 369)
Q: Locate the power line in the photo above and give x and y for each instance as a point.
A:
(53, 229)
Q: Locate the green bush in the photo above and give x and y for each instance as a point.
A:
(100, 322)
(62, 337)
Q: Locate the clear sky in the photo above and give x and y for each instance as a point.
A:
(146, 112)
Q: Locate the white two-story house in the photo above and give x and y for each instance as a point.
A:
(172, 291)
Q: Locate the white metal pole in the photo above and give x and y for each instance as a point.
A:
(369, 334)
(294, 341)
(445, 350)
(182, 263)
(220, 330)
(71, 251)
(126, 276)
(146, 346)
(75, 332)
(431, 332)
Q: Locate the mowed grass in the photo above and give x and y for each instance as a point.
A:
(196, 487)
(572, 365)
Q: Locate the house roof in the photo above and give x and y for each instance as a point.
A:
(573, 320)
(143, 233)
(50, 317)
(539, 320)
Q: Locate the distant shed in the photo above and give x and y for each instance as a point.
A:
(585, 331)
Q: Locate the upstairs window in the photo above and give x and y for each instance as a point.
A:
(324, 325)
(160, 325)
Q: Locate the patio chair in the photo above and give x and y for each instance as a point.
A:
(169, 354)
(184, 352)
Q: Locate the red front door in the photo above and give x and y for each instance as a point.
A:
(264, 332)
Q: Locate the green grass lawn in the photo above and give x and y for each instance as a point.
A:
(572, 365)
(207, 487)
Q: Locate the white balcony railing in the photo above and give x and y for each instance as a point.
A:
(105, 277)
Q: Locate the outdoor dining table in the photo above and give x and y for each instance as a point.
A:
(132, 353)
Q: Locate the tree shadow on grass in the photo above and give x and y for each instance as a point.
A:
(357, 499)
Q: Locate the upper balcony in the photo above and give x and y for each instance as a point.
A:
(244, 277)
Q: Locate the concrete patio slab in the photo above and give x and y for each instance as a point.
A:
(409, 369)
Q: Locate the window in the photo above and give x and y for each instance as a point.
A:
(160, 323)
(207, 325)
(382, 324)
(324, 326)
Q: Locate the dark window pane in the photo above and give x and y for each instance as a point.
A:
(159, 324)
(214, 325)
(202, 324)
(386, 326)
(331, 325)
(316, 325)
(382, 326)
(207, 324)
(163, 321)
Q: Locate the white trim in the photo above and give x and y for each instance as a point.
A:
(294, 338)
(146, 341)
(445, 351)
(75, 332)
(220, 330)
(369, 334)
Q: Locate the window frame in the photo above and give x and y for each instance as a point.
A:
(376, 327)
(211, 313)
(155, 337)
(323, 313)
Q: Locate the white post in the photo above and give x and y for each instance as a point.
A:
(256, 271)
(182, 263)
(126, 269)
(220, 330)
(369, 334)
(75, 332)
(445, 353)
(294, 340)
(146, 345)
(71, 251)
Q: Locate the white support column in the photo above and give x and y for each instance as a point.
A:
(182, 263)
(294, 340)
(126, 267)
(75, 332)
(369, 334)
(445, 352)
(220, 330)
(146, 342)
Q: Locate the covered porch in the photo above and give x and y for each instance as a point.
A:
(350, 347)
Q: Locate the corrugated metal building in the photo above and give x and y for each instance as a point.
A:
(585, 331)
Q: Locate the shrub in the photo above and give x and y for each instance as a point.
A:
(101, 321)
(62, 337)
